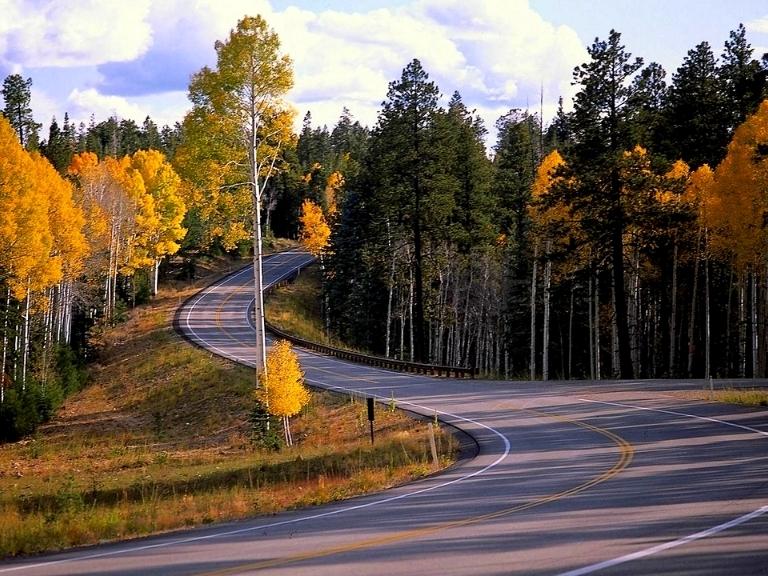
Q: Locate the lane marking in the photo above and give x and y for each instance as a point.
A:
(625, 458)
(685, 539)
(667, 545)
(675, 413)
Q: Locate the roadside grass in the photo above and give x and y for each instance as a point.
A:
(745, 397)
(160, 440)
(296, 308)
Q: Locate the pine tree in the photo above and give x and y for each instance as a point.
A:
(17, 94)
(696, 117)
(602, 128)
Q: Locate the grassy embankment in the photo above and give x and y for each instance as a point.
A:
(160, 440)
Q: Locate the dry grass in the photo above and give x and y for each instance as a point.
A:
(160, 440)
(743, 396)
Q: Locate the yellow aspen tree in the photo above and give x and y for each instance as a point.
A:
(162, 210)
(315, 232)
(282, 389)
(548, 221)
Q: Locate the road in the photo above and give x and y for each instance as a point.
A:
(570, 478)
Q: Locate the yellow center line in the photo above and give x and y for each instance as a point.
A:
(626, 453)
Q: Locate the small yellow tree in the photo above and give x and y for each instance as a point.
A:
(282, 388)
(315, 231)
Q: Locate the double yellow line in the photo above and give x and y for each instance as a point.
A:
(626, 453)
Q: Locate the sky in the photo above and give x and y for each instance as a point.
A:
(133, 59)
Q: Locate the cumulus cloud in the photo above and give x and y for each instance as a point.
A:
(51, 33)
(760, 26)
(83, 103)
(497, 54)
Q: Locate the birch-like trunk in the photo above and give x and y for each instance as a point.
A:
(598, 365)
(753, 323)
(742, 326)
(692, 322)
(570, 331)
(707, 338)
(673, 315)
(389, 295)
(545, 336)
(534, 273)
(25, 351)
(591, 337)
(615, 366)
(5, 342)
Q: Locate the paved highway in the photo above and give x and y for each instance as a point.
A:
(569, 478)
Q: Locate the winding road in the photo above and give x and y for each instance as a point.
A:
(569, 478)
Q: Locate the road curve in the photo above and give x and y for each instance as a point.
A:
(570, 478)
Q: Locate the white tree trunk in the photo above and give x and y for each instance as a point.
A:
(545, 342)
(598, 364)
(673, 315)
(25, 351)
(753, 323)
(742, 326)
(532, 362)
(692, 323)
(5, 343)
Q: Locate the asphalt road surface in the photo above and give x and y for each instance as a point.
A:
(569, 478)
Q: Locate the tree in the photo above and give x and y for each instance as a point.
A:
(409, 173)
(601, 124)
(742, 77)
(282, 388)
(161, 213)
(314, 228)
(17, 95)
(696, 118)
(240, 104)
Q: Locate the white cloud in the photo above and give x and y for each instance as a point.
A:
(52, 33)
(759, 26)
(83, 103)
(498, 54)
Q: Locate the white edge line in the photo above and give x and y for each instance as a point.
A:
(674, 413)
(685, 539)
(667, 545)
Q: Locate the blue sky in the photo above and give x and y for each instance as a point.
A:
(135, 58)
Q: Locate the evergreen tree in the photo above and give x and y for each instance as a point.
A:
(17, 94)
(696, 117)
(743, 79)
(410, 174)
(602, 125)
(473, 205)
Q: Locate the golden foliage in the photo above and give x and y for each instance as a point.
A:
(282, 385)
(315, 231)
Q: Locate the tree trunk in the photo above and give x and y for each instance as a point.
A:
(570, 331)
(692, 322)
(753, 323)
(707, 339)
(673, 314)
(258, 287)
(389, 295)
(155, 276)
(620, 299)
(598, 365)
(615, 359)
(5, 342)
(534, 273)
(545, 336)
(25, 351)
(742, 326)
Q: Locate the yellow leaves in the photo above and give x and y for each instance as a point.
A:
(333, 186)
(738, 207)
(315, 231)
(282, 385)
(545, 180)
(40, 227)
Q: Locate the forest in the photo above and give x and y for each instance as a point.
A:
(627, 238)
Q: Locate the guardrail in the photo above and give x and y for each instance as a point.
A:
(377, 361)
